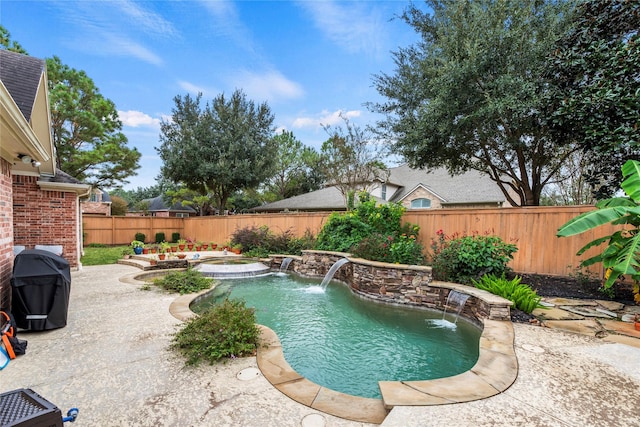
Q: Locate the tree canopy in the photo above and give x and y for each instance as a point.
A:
(594, 96)
(8, 44)
(468, 94)
(296, 168)
(86, 129)
(220, 148)
(351, 160)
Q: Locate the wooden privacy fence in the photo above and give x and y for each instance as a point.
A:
(532, 229)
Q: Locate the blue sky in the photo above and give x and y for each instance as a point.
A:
(309, 60)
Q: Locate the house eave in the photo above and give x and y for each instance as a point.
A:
(82, 190)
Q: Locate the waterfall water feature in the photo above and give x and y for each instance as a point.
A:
(285, 264)
(332, 272)
(458, 299)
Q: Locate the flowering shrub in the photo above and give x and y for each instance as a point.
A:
(407, 250)
(462, 258)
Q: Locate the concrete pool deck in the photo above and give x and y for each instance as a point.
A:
(112, 362)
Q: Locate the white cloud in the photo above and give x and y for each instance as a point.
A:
(111, 28)
(271, 86)
(325, 118)
(356, 27)
(136, 119)
(194, 89)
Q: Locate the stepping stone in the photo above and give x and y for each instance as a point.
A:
(568, 301)
(587, 311)
(556, 313)
(611, 305)
(584, 327)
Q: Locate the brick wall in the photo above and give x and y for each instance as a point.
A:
(44, 217)
(6, 234)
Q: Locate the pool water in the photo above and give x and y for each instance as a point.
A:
(348, 344)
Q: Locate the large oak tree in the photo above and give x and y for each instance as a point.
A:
(468, 94)
(594, 95)
(218, 149)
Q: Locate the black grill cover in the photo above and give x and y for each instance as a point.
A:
(41, 284)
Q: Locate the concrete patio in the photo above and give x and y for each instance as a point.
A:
(112, 362)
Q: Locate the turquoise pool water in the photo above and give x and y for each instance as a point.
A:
(348, 344)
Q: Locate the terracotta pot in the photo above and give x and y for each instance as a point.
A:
(213, 246)
(190, 246)
(637, 325)
(205, 246)
(236, 251)
(153, 251)
(161, 256)
(145, 251)
(181, 256)
(198, 248)
(174, 249)
(181, 247)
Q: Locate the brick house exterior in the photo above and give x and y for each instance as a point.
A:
(39, 204)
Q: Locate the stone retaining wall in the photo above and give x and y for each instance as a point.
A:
(397, 284)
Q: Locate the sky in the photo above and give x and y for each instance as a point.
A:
(310, 61)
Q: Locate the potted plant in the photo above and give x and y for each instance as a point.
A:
(213, 246)
(182, 243)
(126, 253)
(236, 249)
(204, 246)
(190, 244)
(137, 247)
(182, 256)
(165, 247)
(198, 246)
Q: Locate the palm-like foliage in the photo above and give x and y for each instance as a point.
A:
(622, 255)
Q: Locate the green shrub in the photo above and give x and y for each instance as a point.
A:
(160, 237)
(141, 237)
(341, 232)
(260, 241)
(384, 219)
(184, 282)
(226, 330)
(522, 296)
(175, 237)
(462, 258)
(375, 248)
(405, 249)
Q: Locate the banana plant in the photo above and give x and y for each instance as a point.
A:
(622, 255)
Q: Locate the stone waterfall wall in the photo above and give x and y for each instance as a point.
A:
(397, 284)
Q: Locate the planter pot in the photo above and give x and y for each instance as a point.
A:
(190, 246)
(236, 251)
(181, 256)
(174, 249)
(145, 251)
(137, 250)
(161, 257)
(213, 246)
(181, 247)
(198, 248)
(153, 251)
(204, 247)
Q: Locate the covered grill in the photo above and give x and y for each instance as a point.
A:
(41, 284)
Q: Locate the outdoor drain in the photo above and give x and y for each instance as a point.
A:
(313, 420)
(248, 374)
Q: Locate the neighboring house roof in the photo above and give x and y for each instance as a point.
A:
(156, 204)
(469, 188)
(21, 76)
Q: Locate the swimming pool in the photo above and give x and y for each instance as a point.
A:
(348, 344)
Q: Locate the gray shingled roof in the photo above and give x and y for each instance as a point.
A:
(470, 187)
(157, 204)
(21, 76)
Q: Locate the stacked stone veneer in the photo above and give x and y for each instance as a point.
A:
(397, 284)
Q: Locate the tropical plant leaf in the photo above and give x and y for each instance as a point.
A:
(593, 243)
(589, 220)
(631, 182)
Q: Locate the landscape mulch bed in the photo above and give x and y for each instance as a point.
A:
(569, 287)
